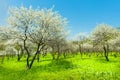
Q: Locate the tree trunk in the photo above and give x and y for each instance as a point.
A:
(27, 66)
(20, 55)
(58, 51)
(28, 55)
(3, 56)
(38, 57)
(53, 55)
(80, 50)
(64, 55)
(38, 51)
(26, 49)
(106, 53)
(33, 60)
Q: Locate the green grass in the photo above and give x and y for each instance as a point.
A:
(72, 68)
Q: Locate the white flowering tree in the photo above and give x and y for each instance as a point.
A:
(115, 45)
(2, 52)
(35, 26)
(80, 39)
(101, 35)
(57, 43)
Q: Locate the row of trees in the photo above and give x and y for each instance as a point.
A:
(103, 39)
(30, 31)
(36, 32)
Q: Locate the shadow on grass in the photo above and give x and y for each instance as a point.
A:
(13, 74)
(54, 66)
(103, 60)
(7, 71)
(82, 59)
(24, 60)
(85, 58)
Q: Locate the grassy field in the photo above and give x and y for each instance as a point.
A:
(71, 68)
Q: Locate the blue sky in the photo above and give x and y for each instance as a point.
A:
(83, 15)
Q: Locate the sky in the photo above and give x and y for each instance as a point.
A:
(82, 15)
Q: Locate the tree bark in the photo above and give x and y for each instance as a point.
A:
(20, 55)
(80, 50)
(38, 57)
(53, 56)
(106, 53)
(3, 56)
(58, 52)
(33, 60)
(64, 55)
(28, 54)
(53, 53)
(38, 51)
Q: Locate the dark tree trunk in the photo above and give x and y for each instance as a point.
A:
(53, 53)
(20, 55)
(33, 60)
(38, 51)
(3, 56)
(80, 50)
(106, 53)
(53, 56)
(107, 58)
(115, 55)
(28, 54)
(38, 57)
(97, 54)
(64, 55)
(27, 66)
(58, 52)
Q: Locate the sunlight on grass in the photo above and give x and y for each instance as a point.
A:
(72, 68)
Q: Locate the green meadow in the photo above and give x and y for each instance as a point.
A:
(71, 68)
